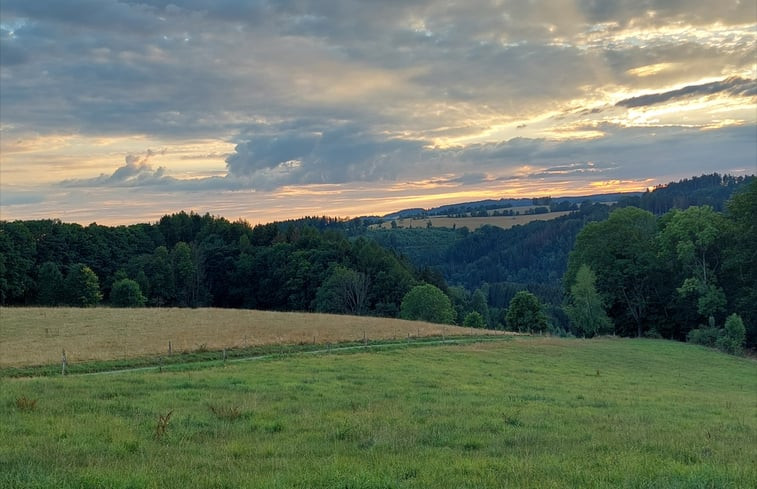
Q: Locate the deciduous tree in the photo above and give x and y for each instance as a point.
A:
(344, 291)
(586, 309)
(622, 251)
(50, 284)
(427, 303)
(692, 238)
(126, 293)
(82, 287)
(526, 313)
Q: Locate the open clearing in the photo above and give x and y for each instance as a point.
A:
(527, 413)
(472, 223)
(37, 336)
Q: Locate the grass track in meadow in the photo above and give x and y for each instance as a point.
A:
(37, 336)
(527, 413)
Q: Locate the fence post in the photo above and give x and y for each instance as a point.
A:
(170, 347)
(65, 361)
(224, 356)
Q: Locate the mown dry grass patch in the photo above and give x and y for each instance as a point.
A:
(38, 336)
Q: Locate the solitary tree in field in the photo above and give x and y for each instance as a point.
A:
(586, 310)
(525, 313)
(427, 303)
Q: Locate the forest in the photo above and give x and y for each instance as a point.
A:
(191, 260)
(662, 263)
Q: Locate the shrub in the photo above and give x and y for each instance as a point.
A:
(731, 339)
(127, 293)
(474, 320)
(703, 335)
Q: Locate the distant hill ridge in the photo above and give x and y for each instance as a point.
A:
(488, 204)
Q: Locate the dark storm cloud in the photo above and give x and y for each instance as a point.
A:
(732, 86)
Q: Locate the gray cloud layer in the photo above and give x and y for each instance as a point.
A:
(342, 91)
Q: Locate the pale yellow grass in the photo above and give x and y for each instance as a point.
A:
(473, 223)
(37, 336)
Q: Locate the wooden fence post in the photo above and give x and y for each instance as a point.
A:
(170, 347)
(65, 362)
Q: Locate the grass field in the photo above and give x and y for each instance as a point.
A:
(37, 336)
(525, 413)
(472, 223)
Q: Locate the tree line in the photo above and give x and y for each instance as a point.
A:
(191, 260)
(682, 275)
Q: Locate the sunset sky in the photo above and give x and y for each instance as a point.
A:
(119, 112)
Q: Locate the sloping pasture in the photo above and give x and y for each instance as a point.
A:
(526, 413)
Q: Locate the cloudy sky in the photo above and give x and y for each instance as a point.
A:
(119, 111)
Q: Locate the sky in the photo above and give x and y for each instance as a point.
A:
(119, 112)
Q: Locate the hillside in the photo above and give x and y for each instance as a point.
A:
(527, 413)
(470, 222)
(192, 260)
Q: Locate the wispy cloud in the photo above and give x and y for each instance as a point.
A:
(735, 86)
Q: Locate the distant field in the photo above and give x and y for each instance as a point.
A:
(472, 223)
(37, 336)
(528, 413)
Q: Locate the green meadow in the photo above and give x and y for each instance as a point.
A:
(525, 412)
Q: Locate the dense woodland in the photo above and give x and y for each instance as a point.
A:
(189, 260)
(661, 263)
